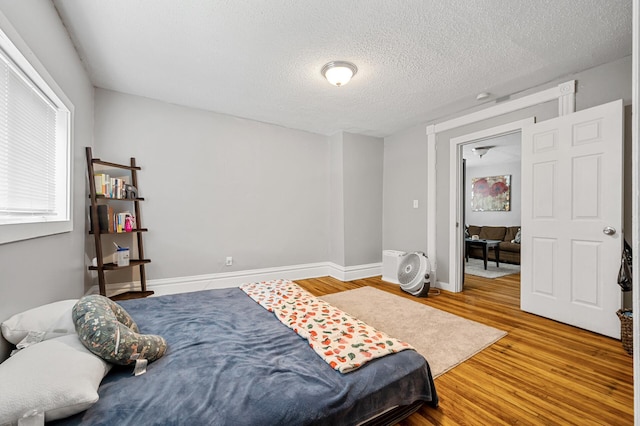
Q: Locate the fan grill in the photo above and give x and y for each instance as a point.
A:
(409, 268)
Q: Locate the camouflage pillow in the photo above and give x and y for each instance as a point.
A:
(107, 330)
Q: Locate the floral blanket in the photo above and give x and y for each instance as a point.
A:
(343, 341)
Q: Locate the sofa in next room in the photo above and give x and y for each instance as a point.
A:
(509, 251)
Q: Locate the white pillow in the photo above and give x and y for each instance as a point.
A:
(517, 237)
(59, 377)
(54, 319)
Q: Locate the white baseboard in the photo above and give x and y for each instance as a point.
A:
(349, 273)
(445, 286)
(234, 279)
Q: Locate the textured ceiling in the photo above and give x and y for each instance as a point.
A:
(418, 60)
(505, 149)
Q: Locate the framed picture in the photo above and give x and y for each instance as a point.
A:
(491, 194)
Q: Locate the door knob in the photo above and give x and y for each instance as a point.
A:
(609, 230)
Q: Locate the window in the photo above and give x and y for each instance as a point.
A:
(35, 147)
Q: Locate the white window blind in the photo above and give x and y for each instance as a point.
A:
(27, 147)
(34, 151)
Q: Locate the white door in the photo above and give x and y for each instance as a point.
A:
(572, 218)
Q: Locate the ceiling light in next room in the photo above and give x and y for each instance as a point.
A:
(481, 150)
(339, 73)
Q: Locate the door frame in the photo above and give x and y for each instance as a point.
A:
(456, 195)
(564, 94)
(635, 129)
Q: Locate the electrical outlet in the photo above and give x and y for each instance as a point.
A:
(229, 261)
(415, 204)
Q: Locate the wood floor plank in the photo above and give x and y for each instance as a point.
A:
(543, 372)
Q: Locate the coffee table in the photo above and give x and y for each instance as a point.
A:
(486, 245)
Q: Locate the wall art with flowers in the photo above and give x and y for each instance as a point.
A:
(491, 194)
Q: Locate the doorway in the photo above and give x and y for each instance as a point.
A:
(506, 136)
(491, 198)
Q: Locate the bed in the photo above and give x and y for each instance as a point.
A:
(230, 361)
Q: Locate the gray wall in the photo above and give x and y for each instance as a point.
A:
(363, 167)
(596, 86)
(405, 179)
(336, 194)
(217, 186)
(508, 218)
(42, 270)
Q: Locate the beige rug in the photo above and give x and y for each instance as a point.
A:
(444, 339)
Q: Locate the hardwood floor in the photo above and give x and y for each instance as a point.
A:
(543, 372)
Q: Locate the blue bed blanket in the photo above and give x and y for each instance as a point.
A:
(229, 361)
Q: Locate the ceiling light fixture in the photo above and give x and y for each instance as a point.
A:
(482, 96)
(481, 150)
(339, 73)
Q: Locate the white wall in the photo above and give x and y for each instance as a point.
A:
(595, 86)
(42, 270)
(508, 218)
(217, 186)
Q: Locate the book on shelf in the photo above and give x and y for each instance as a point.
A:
(110, 221)
(110, 187)
(99, 183)
(119, 223)
(125, 222)
(104, 213)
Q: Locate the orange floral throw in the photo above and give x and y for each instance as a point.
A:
(344, 342)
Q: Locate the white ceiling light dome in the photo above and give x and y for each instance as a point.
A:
(481, 150)
(339, 73)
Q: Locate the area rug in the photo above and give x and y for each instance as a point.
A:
(444, 339)
(476, 267)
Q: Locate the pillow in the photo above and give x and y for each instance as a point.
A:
(107, 330)
(58, 377)
(53, 318)
(517, 237)
(474, 230)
